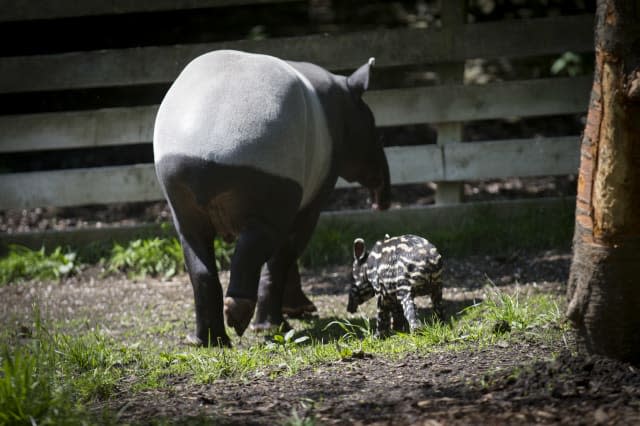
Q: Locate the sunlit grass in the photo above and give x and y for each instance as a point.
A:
(52, 374)
(39, 384)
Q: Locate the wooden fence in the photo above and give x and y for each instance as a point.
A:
(445, 106)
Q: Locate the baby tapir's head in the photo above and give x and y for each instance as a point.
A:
(361, 289)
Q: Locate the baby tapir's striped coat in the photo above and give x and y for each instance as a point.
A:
(396, 270)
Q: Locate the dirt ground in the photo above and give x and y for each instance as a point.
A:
(472, 386)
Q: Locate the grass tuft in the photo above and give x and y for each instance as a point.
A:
(502, 313)
(37, 384)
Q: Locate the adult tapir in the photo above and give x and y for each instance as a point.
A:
(247, 147)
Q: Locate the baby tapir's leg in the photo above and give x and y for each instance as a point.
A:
(399, 321)
(436, 299)
(383, 317)
(406, 298)
(196, 236)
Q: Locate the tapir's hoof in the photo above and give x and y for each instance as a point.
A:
(299, 311)
(193, 340)
(238, 312)
(297, 305)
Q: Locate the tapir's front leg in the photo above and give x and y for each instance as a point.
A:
(272, 283)
(280, 279)
(406, 298)
(397, 315)
(295, 304)
(383, 317)
(436, 298)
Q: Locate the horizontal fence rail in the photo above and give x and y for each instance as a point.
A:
(22, 10)
(148, 65)
(451, 162)
(121, 126)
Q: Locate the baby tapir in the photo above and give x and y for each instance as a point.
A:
(396, 270)
(248, 147)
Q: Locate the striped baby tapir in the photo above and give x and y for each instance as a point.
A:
(396, 270)
(248, 147)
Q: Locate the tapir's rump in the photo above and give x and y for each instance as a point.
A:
(239, 109)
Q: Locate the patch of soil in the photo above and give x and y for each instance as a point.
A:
(511, 382)
(477, 386)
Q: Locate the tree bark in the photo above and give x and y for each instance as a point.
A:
(604, 283)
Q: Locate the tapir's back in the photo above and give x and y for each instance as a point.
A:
(404, 262)
(238, 109)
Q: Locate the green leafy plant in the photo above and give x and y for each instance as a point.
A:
(24, 263)
(159, 256)
(287, 340)
(154, 256)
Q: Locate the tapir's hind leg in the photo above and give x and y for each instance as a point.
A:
(196, 236)
(254, 246)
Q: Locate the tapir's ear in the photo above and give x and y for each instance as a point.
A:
(358, 249)
(358, 82)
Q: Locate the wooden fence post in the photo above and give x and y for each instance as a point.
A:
(453, 15)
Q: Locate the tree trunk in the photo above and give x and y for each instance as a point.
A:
(604, 282)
